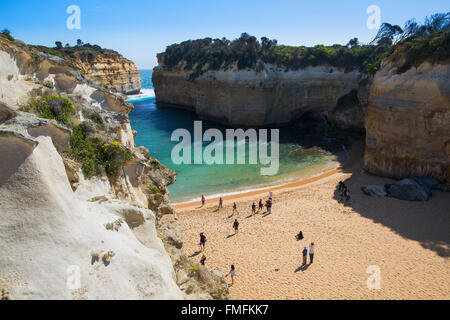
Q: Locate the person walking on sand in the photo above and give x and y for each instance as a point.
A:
(202, 241)
(260, 205)
(254, 208)
(203, 201)
(269, 206)
(202, 260)
(270, 195)
(236, 226)
(235, 208)
(305, 254)
(311, 252)
(232, 273)
(220, 203)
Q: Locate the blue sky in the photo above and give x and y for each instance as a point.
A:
(139, 29)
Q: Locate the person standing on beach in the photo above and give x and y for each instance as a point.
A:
(202, 260)
(260, 206)
(236, 226)
(254, 208)
(311, 252)
(270, 195)
(269, 206)
(220, 203)
(235, 208)
(232, 273)
(305, 254)
(203, 200)
(299, 236)
(202, 241)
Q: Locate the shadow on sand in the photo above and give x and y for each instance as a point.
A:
(195, 254)
(425, 222)
(302, 268)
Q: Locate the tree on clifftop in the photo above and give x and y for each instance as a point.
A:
(58, 44)
(387, 35)
(353, 43)
(7, 34)
(79, 43)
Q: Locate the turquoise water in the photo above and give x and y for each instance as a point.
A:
(299, 156)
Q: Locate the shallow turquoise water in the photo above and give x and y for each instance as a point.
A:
(155, 126)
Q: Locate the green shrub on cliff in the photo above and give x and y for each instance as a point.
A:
(112, 156)
(94, 117)
(96, 155)
(417, 49)
(155, 190)
(57, 108)
(7, 34)
(84, 150)
(85, 50)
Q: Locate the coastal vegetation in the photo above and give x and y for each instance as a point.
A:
(421, 41)
(94, 154)
(81, 49)
(7, 34)
(57, 108)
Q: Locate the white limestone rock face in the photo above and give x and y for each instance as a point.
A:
(47, 234)
(13, 88)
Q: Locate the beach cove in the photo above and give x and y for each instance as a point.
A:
(407, 241)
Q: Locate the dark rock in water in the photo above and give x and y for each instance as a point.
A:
(374, 190)
(409, 189)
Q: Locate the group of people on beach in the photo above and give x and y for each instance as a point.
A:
(300, 237)
(344, 192)
(268, 205)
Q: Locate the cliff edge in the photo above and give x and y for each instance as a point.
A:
(84, 212)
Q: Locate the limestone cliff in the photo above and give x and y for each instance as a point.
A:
(271, 96)
(116, 231)
(113, 71)
(408, 122)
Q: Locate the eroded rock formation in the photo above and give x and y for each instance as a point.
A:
(113, 71)
(408, 122)
(272, 96)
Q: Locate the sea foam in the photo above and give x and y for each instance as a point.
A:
(145, 94)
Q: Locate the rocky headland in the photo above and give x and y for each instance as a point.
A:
(398, 95)
(84, 212)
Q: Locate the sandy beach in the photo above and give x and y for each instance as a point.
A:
(408, 241)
